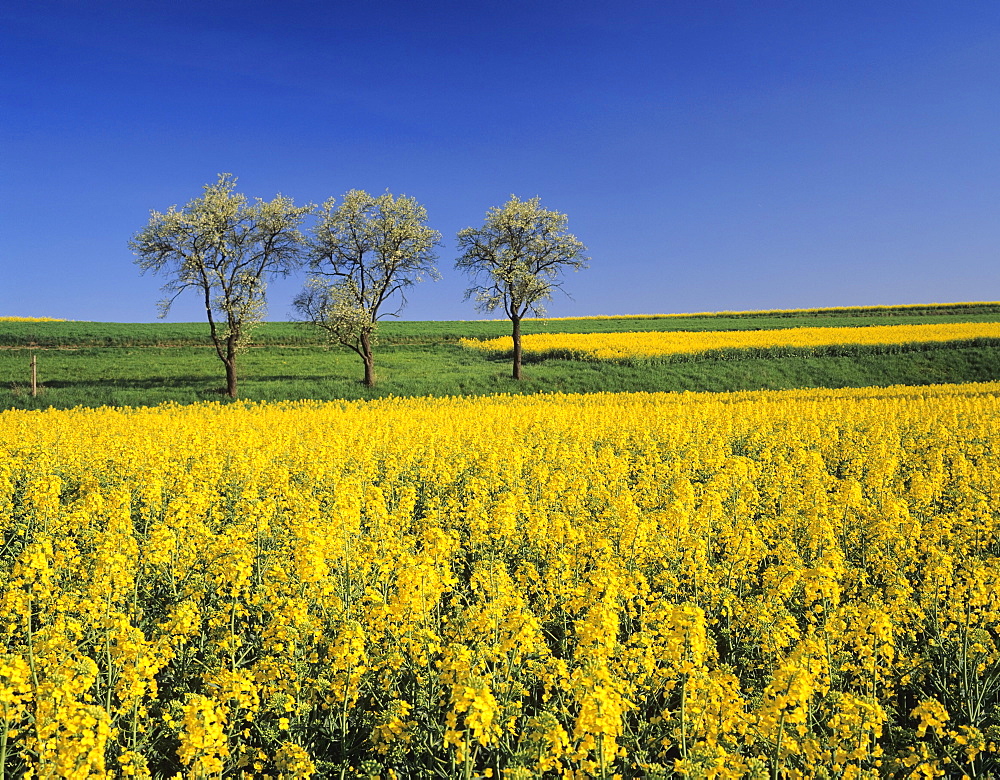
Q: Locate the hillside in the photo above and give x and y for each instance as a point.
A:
(124, 364)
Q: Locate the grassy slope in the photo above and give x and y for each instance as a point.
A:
(136, 377)
(420, 358)
(107, 334)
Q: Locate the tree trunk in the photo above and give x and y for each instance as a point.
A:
(230, 377)
(366, 355)
(517, 346)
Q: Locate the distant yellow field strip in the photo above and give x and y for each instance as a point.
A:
(30, 319)
(776, 312)
(615, 346)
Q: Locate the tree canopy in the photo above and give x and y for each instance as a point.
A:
(225, 249)
(365, 254)
(517, 259)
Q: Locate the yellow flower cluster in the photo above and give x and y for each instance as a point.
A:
(780, 312)
(794, 584)
(30, 319)
(667, 344)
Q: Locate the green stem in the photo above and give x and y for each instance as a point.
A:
(232, 636)
(31, 647)
(467, 770)
(684, 751)
(777, 748)
(34, 673)
(4, 728)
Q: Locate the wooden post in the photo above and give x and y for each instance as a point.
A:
(34, 375)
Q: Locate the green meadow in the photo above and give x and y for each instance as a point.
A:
(121, 364)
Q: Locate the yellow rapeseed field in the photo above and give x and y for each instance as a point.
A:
(773, 584)
(667, 344)
(909, 307)
(30, 319)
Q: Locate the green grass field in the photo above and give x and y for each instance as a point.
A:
(114, 334)
(96, 364)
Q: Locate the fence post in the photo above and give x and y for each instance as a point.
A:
(34, 375)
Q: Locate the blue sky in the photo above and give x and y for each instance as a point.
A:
(712, 155)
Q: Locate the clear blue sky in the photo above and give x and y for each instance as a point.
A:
(712, 155)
